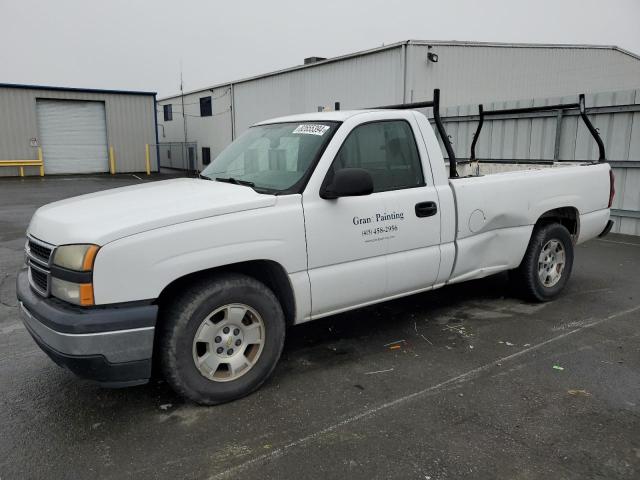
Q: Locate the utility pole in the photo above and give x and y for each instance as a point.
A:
(185, 150)
(184, 116)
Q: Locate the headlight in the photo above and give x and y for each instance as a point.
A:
(75, 257)
(78, 293)
(71, 273)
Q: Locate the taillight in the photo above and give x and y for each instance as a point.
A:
(612, 188)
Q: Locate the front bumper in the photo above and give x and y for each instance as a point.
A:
(113, 346)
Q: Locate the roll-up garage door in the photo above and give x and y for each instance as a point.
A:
(73, 135)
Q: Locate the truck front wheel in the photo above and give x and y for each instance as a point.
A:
(221, 339)
(546, 266)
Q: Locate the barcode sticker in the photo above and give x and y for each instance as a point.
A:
(311, 129)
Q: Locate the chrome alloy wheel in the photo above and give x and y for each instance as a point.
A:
(551, 263)
(228, 342)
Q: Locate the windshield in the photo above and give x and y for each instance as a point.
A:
(272, 158)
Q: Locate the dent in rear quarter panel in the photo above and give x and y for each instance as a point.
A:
(140, 266)
(490, 252)
(496, 213)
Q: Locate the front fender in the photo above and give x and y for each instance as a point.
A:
(139, 267)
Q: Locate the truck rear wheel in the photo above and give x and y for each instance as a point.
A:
(221, 339)
(547, 263)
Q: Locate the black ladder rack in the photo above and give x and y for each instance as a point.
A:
(546, 108)
(435, 104)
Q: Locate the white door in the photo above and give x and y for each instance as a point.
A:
(413, 254)
(73, 135)
(346, 266)
(362, 249)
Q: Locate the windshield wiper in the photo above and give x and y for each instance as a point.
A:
(235, 181)
(245, 183)
(204, 177)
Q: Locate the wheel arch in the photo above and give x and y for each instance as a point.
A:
(270, 273)
(569, 217)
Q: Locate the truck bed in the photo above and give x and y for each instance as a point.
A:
(497, 210)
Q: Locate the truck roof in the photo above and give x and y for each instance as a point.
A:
(333, 116)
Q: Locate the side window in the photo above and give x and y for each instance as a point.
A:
(206, 155)
(168, 113)
(205, 107)
(387, 150)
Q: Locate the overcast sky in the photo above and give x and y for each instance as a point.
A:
(139, 45)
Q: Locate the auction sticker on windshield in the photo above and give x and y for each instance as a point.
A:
(311, 129)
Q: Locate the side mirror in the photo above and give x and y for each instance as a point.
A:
(348, 182)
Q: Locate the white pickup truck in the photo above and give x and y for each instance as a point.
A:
(301, 217)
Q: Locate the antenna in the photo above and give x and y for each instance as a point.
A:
(184, 116)
(185, 152)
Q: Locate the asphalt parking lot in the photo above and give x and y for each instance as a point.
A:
(483, 385)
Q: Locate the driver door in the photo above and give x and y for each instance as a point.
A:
(346, 262)
(366, 248)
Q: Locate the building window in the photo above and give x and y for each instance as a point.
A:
(168, 113)
(206, 155)
(205, 107)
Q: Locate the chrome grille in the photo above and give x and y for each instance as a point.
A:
(39, 257)
(39, 279)
(39, 250)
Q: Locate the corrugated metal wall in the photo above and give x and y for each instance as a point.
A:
(130, 125)
(366, 80)
(615, 114)
(479, 73)
(466, 74)
(290, 92)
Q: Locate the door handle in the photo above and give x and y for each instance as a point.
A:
(426, 209)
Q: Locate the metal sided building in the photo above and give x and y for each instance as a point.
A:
(467, 73)
(75, 130)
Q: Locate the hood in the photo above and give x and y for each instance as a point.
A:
(111, 214)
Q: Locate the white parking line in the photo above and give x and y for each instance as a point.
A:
(621, 243)
(379, 371)
(464, 377)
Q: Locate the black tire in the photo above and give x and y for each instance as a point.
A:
(181, 319)
(526, 277)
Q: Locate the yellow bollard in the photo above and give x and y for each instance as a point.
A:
(22, 171)
(146, 158)
(41, 161)
(112, 161)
